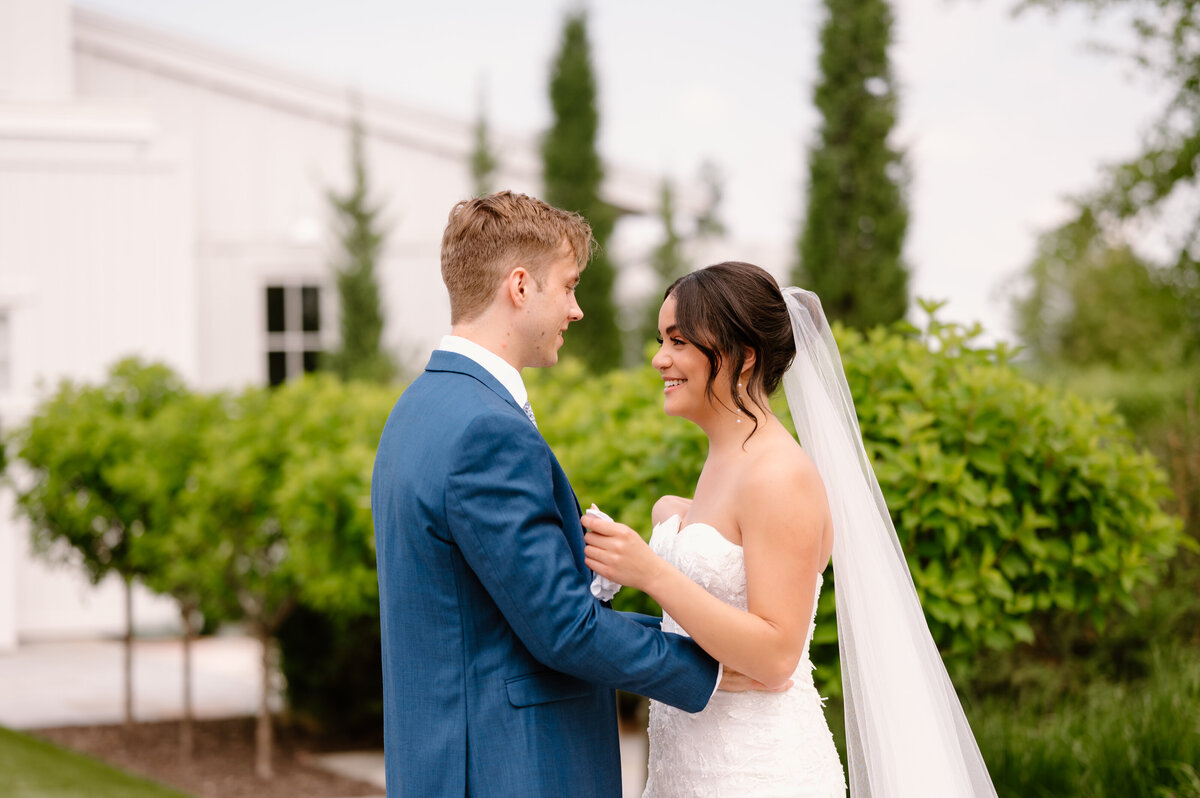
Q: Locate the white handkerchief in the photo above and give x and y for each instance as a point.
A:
(603, 589)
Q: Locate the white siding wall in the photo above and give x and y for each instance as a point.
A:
(96, 263)
(54, 600)
(35, 50)
(9, 533)
(100, 251)
(261, 175)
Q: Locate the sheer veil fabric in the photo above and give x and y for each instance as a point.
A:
(906, 734)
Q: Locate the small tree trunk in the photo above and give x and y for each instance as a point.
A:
(263, 737)
(128, 670)
(186, 744)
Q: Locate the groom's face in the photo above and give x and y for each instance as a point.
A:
(551, 308)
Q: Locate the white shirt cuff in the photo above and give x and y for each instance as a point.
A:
(720, 676)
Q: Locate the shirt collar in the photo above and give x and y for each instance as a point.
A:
(495, 365)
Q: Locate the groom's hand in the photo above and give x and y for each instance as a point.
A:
(734, 682)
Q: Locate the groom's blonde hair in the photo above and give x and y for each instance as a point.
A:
(487, 237)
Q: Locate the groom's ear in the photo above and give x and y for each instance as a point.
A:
(518, 284)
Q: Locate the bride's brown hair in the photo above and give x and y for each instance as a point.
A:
(727, 308)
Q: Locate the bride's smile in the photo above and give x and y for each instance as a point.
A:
(683, 367)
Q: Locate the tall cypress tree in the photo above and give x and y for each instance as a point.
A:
(850, 249)
(361, 355)
(667, 260)
(709, 223)
(572, 174)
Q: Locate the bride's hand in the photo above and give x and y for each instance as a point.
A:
(618, 553)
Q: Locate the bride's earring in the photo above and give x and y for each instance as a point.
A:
(739, 410)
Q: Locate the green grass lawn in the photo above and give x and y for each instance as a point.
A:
(30, 768)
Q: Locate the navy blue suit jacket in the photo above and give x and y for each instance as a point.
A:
(498, 663)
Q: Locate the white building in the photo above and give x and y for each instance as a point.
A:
(166, 199)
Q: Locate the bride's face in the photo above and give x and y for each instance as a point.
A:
(683, 367)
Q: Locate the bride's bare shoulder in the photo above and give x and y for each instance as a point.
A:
(668, 506)
(783, 471)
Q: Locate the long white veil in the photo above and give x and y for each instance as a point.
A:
(906, 734)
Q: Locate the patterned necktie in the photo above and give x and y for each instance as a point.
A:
(528, 408)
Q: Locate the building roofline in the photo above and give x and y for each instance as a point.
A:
(114, 39)
(231, 73)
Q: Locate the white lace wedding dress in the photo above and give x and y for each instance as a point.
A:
(742, 745)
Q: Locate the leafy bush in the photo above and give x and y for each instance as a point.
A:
(1117, 740)
(316, 441)
(1012, 501)
(333, 665)
(78, 446)
(84, 499)
(244, 506)
(278, 499)
(1163, 411)
(330, 430)
(1052, 738)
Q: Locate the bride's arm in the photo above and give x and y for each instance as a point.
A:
(782, 515)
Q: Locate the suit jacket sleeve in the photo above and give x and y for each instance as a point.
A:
(503, 516)
(644, 620)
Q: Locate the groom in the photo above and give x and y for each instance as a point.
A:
(499, 665)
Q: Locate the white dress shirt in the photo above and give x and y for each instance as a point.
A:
(492, 363)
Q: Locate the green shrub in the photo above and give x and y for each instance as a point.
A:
(330, 430)
(1110, 740)
(290, 496)
(1163, 411)
(333, 667)
(243, 506)
(278, 501)
(77, 446)
(1013, 502)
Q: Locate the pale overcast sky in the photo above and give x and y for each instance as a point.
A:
(1002, 117)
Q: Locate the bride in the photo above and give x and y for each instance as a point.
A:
(739, 567)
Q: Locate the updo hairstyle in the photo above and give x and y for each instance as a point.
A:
(724, 309)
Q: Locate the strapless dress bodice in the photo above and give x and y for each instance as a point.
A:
(742, 745)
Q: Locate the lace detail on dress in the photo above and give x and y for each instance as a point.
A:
(742, 745)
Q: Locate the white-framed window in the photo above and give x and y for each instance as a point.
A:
(5, 351)
(293, 331)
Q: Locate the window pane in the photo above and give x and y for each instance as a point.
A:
(276, 368)
(275, 313)
(310, 301)
(312, 361)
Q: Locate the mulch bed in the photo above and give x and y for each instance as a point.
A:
(222, 765)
